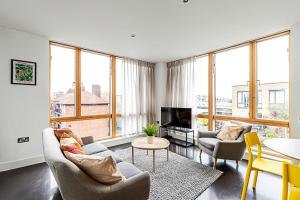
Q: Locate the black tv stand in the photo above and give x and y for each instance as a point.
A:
(178, 129)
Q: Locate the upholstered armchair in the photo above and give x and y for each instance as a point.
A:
(218, 149)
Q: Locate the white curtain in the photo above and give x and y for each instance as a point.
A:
(138, 99)
(181, 84)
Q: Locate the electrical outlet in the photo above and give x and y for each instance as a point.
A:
(23, 139)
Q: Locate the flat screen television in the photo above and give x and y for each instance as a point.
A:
(176, 117)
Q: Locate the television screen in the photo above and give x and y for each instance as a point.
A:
(178, 117)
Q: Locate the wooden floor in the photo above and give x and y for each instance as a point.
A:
(37, 182)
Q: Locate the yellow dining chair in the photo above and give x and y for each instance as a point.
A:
(291, 174)
(259, 164)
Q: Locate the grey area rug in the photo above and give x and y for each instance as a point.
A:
(178, 178)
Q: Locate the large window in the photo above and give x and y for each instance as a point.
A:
(273, 77)
(201, 92)
(201, 86)
(247, 82)
(62, 94)
(95, 84)
(232, 76)
(81, 91)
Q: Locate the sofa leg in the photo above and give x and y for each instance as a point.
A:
(215, 163)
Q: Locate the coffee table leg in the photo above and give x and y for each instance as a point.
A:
(167, 153)
(147, 152)
(132, 155)
(153, 160)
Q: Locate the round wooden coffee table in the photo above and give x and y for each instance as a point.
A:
(158, 144)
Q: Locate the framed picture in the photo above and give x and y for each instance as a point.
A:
(23, 72)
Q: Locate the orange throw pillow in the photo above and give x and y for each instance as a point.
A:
(63, 132)
(71, 145)
(101, 169)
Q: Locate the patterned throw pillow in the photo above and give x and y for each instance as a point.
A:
(230, 133)
(64, 132)
(101, 169)
(71, 145)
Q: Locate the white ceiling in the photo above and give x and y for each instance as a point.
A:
(165, 29)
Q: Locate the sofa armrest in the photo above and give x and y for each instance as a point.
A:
(207, 134)
(230, 150)
(87, 140)
(134, 188)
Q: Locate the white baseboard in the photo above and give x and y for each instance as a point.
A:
(5, 166)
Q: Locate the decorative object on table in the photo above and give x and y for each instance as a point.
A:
(23, 72)
(151, 131)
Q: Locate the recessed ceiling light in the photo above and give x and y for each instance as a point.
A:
(132, 35)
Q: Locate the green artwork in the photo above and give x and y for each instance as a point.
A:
(24, 72)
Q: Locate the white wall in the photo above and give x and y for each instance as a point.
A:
(24, 109)
(160, 87)
(295, 81)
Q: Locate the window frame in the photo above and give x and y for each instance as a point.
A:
(253, 82)
(78, 117)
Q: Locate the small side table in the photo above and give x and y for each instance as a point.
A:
(158, 144)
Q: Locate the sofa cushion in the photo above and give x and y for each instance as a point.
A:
(71, 145)
(209, 143)
(109, 153)
(101, 169)
(127, 169)
(59, 133)
(93, 148)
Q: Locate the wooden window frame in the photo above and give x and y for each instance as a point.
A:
(78, 117)
(252, 86)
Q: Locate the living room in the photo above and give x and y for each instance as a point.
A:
(153, 99)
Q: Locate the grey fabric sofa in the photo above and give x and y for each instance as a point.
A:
(218, 149)
(74, 184)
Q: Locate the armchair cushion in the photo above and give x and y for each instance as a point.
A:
(230, 133)
(208, 134)
(209, 143)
